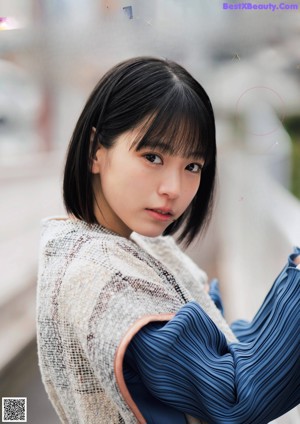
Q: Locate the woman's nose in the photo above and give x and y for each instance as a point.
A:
(170, 185)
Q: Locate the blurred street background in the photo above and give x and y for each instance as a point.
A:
(52, 53)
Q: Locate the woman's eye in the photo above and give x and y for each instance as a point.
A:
(194, 167)
(151, 157)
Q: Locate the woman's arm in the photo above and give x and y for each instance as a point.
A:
(247, 331)
(188, 364)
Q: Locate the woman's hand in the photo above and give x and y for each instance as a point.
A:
(297, 260)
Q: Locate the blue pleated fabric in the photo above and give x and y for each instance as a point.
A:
(188, 366)
(154, 411)
(214, 293)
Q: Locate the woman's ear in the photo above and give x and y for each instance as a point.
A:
(95, 157)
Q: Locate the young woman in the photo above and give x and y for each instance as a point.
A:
(127, 332)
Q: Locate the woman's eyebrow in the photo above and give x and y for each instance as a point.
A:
(169, 149)
(158, 145)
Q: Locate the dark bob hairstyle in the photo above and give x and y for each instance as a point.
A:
(178, 119)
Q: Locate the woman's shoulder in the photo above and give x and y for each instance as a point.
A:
(79, 247)
(72, 236)
(86, 266)
(83, 246)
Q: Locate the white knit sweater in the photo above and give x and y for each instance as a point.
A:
(95, 291)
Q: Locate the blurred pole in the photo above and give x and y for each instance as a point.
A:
(46, 117)
(45, 121)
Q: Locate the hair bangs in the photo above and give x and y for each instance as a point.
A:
(180, 125)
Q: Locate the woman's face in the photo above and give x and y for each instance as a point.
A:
(142, 191)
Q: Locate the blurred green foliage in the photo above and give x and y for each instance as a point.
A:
(292, 125)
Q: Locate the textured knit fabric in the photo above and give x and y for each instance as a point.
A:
(93, 286)
(188, 364)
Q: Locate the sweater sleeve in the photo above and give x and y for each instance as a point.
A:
(247, 331)
(188, 364)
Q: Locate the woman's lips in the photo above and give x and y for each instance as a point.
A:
(161, 214)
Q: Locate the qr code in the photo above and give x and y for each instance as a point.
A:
(14, 409)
